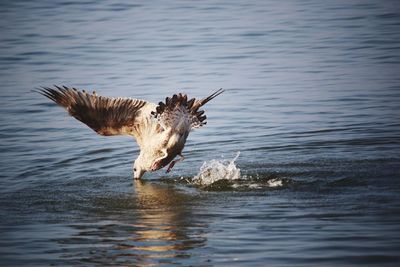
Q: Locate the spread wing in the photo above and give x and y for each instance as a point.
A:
(106, 116)
(173, 111)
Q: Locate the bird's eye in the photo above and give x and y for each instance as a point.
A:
(134, 169)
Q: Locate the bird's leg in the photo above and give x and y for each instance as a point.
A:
(156, 163)
(172, 164)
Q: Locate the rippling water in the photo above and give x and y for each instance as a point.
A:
(312, 105)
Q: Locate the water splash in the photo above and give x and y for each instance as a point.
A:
(217, 170)
(275, 182)
(225, 175)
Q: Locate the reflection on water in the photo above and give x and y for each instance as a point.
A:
(165, 223)
(160, 229)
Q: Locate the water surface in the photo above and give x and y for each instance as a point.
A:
(312, 104)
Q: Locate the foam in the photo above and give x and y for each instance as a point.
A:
(216, 170)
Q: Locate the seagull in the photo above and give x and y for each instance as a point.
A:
(160, 130)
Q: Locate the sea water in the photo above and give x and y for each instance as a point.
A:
(312, 103)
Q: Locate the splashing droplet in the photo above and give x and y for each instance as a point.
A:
(275, 182)
(216, 170)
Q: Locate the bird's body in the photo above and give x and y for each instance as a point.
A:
(160, 130)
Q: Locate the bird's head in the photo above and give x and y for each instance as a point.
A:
(138, 168)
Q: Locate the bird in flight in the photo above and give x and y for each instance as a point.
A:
(160, 130)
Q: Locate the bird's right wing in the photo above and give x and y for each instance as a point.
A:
(171, 112)
(106, 116)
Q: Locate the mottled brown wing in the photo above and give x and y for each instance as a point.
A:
(106, 116)
(178, 106)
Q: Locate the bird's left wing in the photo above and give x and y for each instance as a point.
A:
(106, 116)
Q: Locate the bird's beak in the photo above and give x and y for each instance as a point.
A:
(138, 175)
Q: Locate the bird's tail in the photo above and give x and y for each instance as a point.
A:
(203, 101)
(192, 106)
(198, 117)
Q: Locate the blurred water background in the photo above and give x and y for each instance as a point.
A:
(312, 104)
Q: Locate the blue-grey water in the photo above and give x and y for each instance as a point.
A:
(312, 104)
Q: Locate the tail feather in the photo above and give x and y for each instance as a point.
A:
(204, 101)
(198, 119)
(165, 109)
